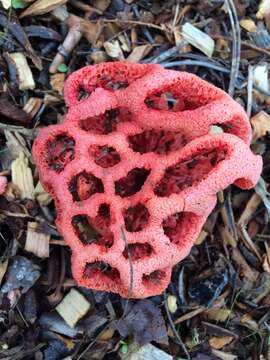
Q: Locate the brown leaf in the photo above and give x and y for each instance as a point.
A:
(11, 111)
(261, 124)
(57, 82)
(219, 342)
(42, 7)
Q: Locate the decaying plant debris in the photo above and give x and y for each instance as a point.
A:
(217, 305)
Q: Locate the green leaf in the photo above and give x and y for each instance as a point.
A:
(124, 347)
(62, 68)
(18, 4)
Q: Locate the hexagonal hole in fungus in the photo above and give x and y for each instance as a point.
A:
(132, 183)
(107, 122)
(154, 278)
(83, 185)
(82, 93)
(189, 172)
(158, 141)
(173, 100)
(94, 230)
(60, 151)
(104, 156)
(101, 272)
(180, 227)
(136, 217)
(138, 251)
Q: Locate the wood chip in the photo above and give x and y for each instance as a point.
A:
(3, 269)
(32, 106)
(22, 177)
(26, 80)
(73, 307)
(198, 39)
(139, 52)
(249, 25)
(219, 342)
(261, 125)
(37, 242)
(42, 7)
(113, 49)
(249, 210)
(260, 78)
(41, 195)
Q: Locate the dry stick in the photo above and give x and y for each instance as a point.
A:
(132, 22)
(249, 90)
(211, 66)
(236, 48)
(130, 272)
(179, 340)
(168, 53)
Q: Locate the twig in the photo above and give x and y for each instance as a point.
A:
(249, 90)
(179, 340)
(132, 22)
(144, 29)
(168, 53)
(236, 46)
(211, 66)
(130, 272)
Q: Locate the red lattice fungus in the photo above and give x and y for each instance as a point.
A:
(134, 170)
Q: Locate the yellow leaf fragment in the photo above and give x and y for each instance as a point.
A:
(172, 303)
(249, 25)
(73, 307)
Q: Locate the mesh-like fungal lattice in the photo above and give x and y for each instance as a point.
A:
(134, 171)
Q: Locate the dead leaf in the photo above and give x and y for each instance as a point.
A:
(146, 352)
(57, 82)
(223, 356)
(21, 274)
(139, 52)
(10, 111)
(144, 322)
(41, 7)
(218, 314)
(261, 125)
(219, 342)
(113, 49)
(41, 195)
